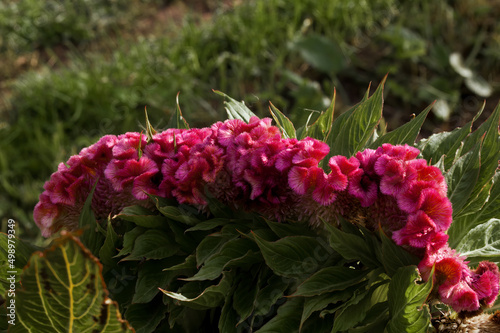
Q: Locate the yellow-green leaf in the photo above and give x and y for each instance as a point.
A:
(63, 291)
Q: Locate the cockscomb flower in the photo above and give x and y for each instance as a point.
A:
(486, 282)
(250, 166)
(67, 189)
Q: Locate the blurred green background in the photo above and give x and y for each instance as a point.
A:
(74, 70)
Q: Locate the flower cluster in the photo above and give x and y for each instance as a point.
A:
(250, 166)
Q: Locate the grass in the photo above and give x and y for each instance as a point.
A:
(96, 77)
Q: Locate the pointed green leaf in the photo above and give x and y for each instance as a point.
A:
(354, 310)
(63, 291)
(491, 209)
(211, 297)
(270, 294)
(129, 240)
(393, 256)
(329, 279)
(490, 151)
(482, 243)
(290, 229)
(142, 217)
(145, 318)
(292, 256)
(244, 298)
(356, 127)
(188, 264)
(317, 303)
(177, 120)
(322, 127)
(352, 247)
(153, 244)
(375, 321)
(462, 177)
(235, 109)
(92, 236)
(284, 124)
(230, 252)
(210, 224)
(152, 276)
(183, 213)
(228, 318)
(211, 245)
(406, 133)
(150, 131)
(108, 249)
(406, 302)
(287, 319)
(448, 144)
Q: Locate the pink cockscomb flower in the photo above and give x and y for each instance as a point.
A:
(417, 232)
(135, 175)
(363, 187)
(450, 267)
(485, 281)
(460, 297)
(68, 188)
(400, 152)
(190, 161)
(437, 207)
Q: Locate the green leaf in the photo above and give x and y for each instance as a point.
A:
(210, 224)
(145, 318)
(447, 144)
(393, 256)
(351, 132)
(151, 276)
(482, 242)
(108, 249)
(352, 247)
(20, 252)
(462, 177)
(177, 120)
(322, 127)
(375, 320)
(287, 319)
(317, 303)
(184, 213)
(292, 256)
(354, 310)
(329, 279)
(284, 124)
(270, 294)
(211, 245)
(188, 264)
(63, 291)
(235, 109)
(321, 52)
(491, 209)
(129, 240)
(406, 302)
(92, 237)
(244, 297)
(153, 244)
(490, 151)
(288, 229)
(232, 251)
(209, 298)
(405, 134)
(142, 217)
(228, 318)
